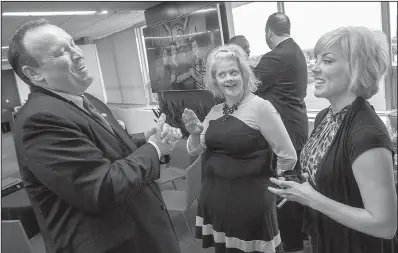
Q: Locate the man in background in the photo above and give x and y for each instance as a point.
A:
(241, 41)
(283, 73)
(91, 186)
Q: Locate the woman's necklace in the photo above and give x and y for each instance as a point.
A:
(226, 110)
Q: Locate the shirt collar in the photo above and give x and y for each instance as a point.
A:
(339, 116)
(282, 41)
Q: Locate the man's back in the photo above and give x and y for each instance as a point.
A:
(283, 73)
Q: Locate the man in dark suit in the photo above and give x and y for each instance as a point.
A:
(283, 73)
(91, 186)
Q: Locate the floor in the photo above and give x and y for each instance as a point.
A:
(187, 243)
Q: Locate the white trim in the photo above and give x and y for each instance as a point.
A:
(236, 243)
(220, 24)
(100, 72)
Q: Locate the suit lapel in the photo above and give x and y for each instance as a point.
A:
(119, 133)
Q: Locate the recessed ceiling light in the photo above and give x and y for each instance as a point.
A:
(4, 47)
(52, 13)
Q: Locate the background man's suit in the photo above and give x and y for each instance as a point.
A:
(92, 190)
(283, 73)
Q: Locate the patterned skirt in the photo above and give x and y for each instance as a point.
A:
(238, 215)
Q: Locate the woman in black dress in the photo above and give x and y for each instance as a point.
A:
(351, 196)
(236, 213)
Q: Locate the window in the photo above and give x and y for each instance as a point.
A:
(393, 26)
(310, 20)
(249, 21)
(151, 98)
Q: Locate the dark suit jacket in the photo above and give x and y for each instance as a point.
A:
(283, 73)
(92, 191)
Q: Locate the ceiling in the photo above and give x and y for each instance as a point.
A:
(121, 15)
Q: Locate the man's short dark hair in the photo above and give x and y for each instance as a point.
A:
(18, 56)
(279, 24)
(235, 38)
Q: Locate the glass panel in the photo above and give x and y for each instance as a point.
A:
(249, 20)
(393, 26)
(394, 32)
(310, 20)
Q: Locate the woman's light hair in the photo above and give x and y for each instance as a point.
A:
(229, 52)
(366, 52)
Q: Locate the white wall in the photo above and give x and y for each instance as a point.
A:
(23, 89)
(109, 71)
(92, 63)
(137, 120)
(118, 55)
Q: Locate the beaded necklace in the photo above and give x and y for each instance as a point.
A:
(226, 110)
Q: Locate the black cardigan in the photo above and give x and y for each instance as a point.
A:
(361, 130)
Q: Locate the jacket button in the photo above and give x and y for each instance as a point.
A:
(162, 207)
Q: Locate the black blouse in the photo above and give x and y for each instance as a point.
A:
(360, 130)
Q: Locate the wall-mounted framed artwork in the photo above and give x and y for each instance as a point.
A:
(177, 49)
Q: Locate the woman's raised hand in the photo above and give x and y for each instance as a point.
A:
(191, 122)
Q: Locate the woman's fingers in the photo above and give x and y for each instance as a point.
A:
(283, 183)
(279, 192)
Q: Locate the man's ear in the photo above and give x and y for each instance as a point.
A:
(270, 33)
(32, 73)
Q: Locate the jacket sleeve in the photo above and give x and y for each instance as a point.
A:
(267, 71)
(70, 165)
(138, 139)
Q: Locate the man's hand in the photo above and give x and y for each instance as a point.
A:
(164, 136)
(150, 132)
(170, 134)
(191, 122)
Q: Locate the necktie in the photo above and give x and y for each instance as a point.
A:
(91, 109)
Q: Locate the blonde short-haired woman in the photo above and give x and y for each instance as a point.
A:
(349, 157)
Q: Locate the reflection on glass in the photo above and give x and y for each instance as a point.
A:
(393, 26)
(177, 50)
